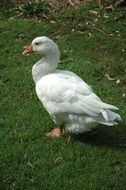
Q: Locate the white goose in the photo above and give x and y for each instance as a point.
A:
(71, 103)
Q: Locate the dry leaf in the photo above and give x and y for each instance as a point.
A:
(116, 162)
(108, 77)
(109, 7)
(124, 95)
(58, 37)
(117, 31)
(80, 32)
(106, 16)
(69, 138)
(52, 21)
(111, 34)
(58, 160)
(87, 23)
(89, 34)
(67, 59)
(122, 145)
(30, 164)
(96, 20)
(118, 81)
(94, 12)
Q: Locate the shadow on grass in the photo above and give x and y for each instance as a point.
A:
(113, 137)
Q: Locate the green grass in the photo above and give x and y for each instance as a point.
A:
(88, 162)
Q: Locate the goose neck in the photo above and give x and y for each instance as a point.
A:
(44, 66)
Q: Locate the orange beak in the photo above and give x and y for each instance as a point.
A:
(28, 50)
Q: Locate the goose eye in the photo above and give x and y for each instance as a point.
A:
(36, 43)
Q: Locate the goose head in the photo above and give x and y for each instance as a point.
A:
(43, 45)
(50, 59)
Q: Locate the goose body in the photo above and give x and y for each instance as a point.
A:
(69, 100)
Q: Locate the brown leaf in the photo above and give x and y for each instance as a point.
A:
(108, 77)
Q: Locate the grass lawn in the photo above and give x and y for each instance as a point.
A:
(92, 45)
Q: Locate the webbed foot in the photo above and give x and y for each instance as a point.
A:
(57, 132)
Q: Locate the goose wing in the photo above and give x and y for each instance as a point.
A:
(67, 93)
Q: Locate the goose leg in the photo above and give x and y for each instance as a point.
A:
(56, 132)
